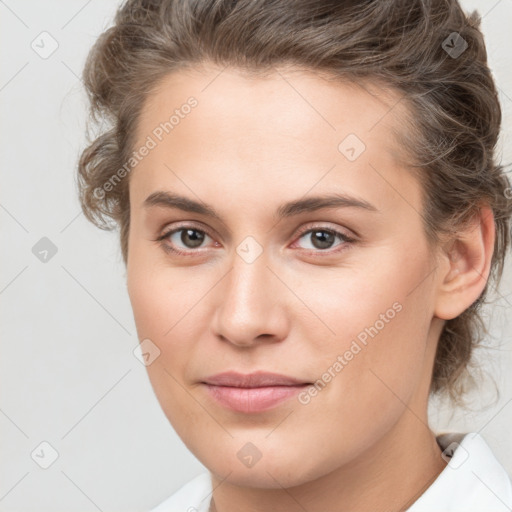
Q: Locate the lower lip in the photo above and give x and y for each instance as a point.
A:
(252, 400)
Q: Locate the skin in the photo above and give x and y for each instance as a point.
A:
(251, 144)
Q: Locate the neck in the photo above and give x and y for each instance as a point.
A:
(389, 476)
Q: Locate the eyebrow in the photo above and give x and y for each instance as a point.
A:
(289, 209)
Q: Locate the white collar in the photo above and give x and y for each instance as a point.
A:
(472, 481)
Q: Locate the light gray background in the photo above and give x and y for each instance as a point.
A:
(69, 376)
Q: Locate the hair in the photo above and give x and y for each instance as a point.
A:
(408, 46)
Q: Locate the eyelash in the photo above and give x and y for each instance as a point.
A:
(169, 249)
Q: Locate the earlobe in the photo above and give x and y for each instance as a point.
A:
(466, 266)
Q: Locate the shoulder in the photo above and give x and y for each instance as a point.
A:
(472, 481)
(194, 496)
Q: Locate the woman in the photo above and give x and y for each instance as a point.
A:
(310, 213)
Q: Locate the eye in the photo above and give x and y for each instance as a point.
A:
(322, 238)
(183, 240)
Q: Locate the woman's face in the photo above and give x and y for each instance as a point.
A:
(315, 266)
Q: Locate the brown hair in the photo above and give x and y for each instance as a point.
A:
(429, 51)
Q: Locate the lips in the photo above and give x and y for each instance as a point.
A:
(252, 380)
(254, 392)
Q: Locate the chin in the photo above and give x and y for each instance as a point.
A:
(261, 477)
(277, 468)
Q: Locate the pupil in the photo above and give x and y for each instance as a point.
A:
(324, 241)
(195, 240)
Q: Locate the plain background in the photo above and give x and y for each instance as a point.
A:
(69, 375)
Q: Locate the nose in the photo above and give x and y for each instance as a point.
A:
(251, 304)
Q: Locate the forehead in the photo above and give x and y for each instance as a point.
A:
(258, 129)
(303, 101)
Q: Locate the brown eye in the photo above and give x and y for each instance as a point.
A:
(183, 239)
(323, 239)
(191, 238)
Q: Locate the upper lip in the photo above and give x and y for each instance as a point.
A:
(252, 380)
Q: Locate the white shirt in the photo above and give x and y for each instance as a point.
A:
(472, 481)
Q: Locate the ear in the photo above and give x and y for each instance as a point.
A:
(465, 265)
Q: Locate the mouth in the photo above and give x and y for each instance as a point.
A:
(252, 393)
(252, 400)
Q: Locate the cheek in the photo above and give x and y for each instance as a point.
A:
(157, 297)
(165, 309)
(157, 309)
(379, 320)
(161, 312)
(149, 303)
(366, 374)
